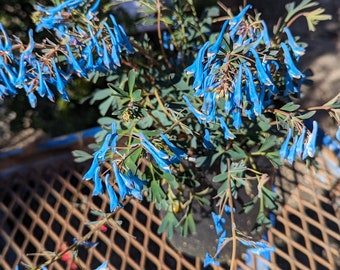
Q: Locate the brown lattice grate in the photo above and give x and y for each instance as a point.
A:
(46, 204)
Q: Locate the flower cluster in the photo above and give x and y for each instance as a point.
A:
(37, 68)
(301, 147)
(128, 184)
(241, 72)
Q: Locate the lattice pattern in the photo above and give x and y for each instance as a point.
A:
(44, 205)
(48, 205)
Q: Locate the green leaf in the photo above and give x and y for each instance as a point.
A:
(220, 177)
(136, 95)
(261, 219)
(101, 94)
(238, 153)
(105, 121)
(169, 223)
(156, 193)
(290, 107)
(189, 225)
(104, 106)
(270, 198)
(81, 156)
(268, 143)
(132, 160)
(131, 81)
(306, 115)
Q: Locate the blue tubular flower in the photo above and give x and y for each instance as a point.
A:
(206, 140)
(208, 260)
(237, 97)
(114, 46)
(138, 183)
(92, 10)
(218, 222)
(98, 187)
(95, 41)
(292, 151)
(227, 134)
(227, 210)
(103, 266)
(311, 142)
(197, 67)
(234, 22)
(200, 116)
(121, 35)
(114, 203)
(284, 148)
(134, 185)
(236, 115)
(209, 105)
(300, 143)
(32, 99)
(122, 189)
(73, 62)
(22, 72)
(59, 81)
(216, 46)
(87, 54)
(251, 86)
(221, 240)
(262, 75)
(8, 45)
(266, 38)
(161, 158)
(104, 148)
(297, 50)
(106, 57)
(10, 88)
(180, 154)
(292, 69)
(90, 174)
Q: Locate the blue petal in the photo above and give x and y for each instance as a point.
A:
(300, 143)
(237, 97)
(216, 46)
(262, 75)
(92, 170)
(200, 116)
(221, 240)
(114, 203)
(337, 135)
(160, 153)
(236, 115)
(311, 143)
(73, 62)
(206, 140)
(122, 189)
(218, 222)
(292, 69)
(98, 187)
(103, 266)
(208, 260)
(297, 50)
(227, 134)
(292, 151)
(180, 154)
(92, 10)
(284, 148)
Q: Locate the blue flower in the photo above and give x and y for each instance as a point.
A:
(74, 63)
(208, 260)
(253, 95)
(218, 222)
(103, 266)
(206, 140)
(284, 148)
(311, 142)
(60, 85)
(297, 50)
(200, 116)
(98, 187)
(209, 105)
(266, 38)
(227, 210)
(237, 97)
(300, 143)
(90, 174)
(179, 154)
(292, 150)
(114, 203)
(292, 69)
(122, 189)
(262, 75)
(236, 115)
(221, 240)
(92, 10)
(121, 35)
(7, 48)
(217, 44)
(106, 57)
(227, 134)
